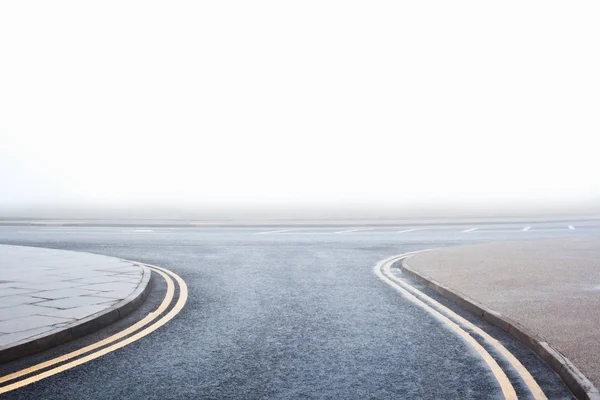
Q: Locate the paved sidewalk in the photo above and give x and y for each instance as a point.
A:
(50, 296)
(550, 287)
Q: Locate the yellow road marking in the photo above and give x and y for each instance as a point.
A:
(529, 380)
(507, 388)
(149, 318)
(183, 294)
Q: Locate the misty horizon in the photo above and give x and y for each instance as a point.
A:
(418, 113)
(306, 212)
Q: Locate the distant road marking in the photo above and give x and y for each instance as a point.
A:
(526, 228)
(470, 230)
(408, 230)
(450, 318)
(571, 227)
(267, 232)
(142, 230)
(182, 299)
(350, 230)
(91, 232)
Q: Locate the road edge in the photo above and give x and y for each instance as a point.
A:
(575, 380)
(85, 326)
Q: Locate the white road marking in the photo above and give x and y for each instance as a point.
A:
(350, 230)
(268, 232)
(142, 230)
(93, 232)
(526, 228)
(470, 230)
(408, 230)
(571, 227)
(301, 233)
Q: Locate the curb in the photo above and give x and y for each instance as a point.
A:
(581, 387)
(83, 327)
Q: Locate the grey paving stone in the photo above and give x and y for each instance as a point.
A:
(93, 280)
(11, 291)
(52, 292)
(122, 270)
(50, 285)
(62, 293)
(134, 280)
(114, 294)
(80, 312)
(110, 287)
(73, 302)
(30, 322)
(11, 301)
(78, 274)
(23, 310)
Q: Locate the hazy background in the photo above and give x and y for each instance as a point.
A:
(292, 109)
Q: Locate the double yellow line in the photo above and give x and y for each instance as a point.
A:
(151, 323)
(456, 323)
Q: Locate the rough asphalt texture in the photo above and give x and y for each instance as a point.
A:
(551, 287)
(281, 316)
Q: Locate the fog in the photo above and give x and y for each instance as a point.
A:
(315, 109)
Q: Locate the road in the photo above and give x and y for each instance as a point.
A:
(287, 312)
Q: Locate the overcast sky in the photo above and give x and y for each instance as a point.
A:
(280, 102)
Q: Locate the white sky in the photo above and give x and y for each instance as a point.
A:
(256, 102)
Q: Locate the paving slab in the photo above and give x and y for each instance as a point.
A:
(50, 296)
(544, 291)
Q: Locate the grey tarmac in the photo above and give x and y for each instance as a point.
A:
(294, 314)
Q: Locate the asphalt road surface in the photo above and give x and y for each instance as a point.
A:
(286, 313)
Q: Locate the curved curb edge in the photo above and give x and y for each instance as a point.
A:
(575, 380)
(90, 324)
